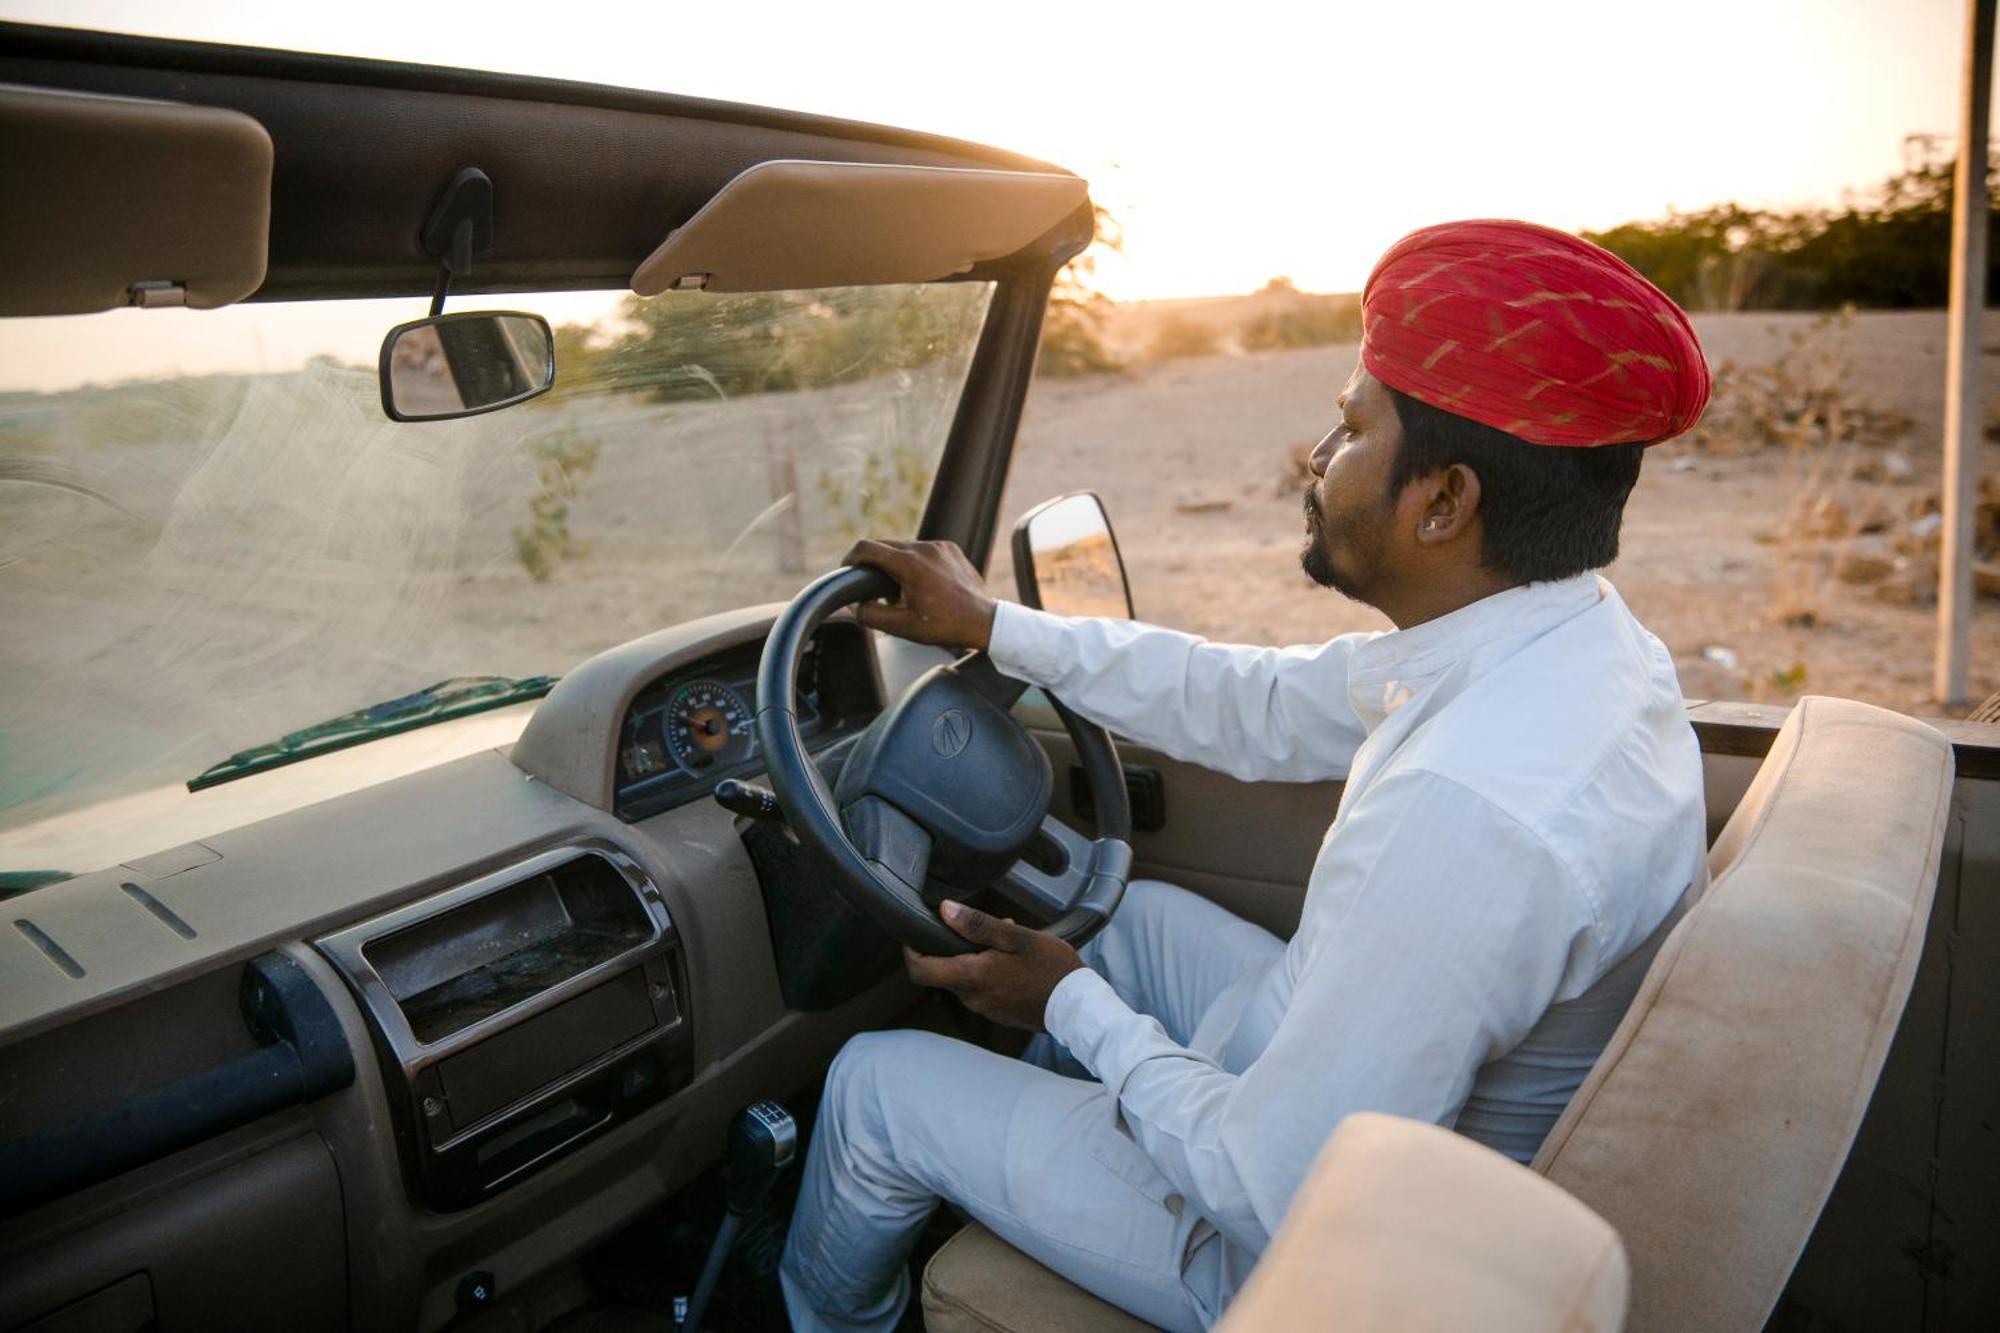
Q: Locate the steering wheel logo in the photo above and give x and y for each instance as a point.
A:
(951, 733)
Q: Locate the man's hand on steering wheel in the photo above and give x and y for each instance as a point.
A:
(1012, 976)
(946, 786)
(944, 599)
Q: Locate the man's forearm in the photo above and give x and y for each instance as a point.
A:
(1255, 713)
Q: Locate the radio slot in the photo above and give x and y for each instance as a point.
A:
(520, 1014)
(452, 970)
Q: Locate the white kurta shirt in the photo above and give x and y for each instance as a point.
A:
(1522, 811)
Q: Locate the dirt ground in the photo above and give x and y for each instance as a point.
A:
(1190, 459)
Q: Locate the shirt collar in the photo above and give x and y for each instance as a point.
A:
(1391, 669)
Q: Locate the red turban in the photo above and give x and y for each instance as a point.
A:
(1533, 332)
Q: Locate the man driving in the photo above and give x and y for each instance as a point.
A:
(1521, 823)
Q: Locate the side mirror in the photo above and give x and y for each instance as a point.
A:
(461, 365)
(1066, 559)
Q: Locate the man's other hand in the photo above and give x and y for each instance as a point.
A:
(1009, 980)
(943, 601)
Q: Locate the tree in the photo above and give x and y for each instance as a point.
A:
(1073, 335)
(1886, 249)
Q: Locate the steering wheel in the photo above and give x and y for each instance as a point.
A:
(944, 794)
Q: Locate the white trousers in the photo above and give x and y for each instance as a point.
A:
(909, 1118)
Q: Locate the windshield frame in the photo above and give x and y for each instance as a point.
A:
(351, 128)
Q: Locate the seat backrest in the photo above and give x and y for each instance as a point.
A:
(1712, 1128)
(1403, 1227)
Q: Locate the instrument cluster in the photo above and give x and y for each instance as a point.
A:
(694, 727)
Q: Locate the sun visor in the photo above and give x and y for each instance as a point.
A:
(111, 201)
(786, 225)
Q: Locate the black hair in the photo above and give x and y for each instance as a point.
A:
(1545, 512)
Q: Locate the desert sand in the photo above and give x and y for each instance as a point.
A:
(1190, 460)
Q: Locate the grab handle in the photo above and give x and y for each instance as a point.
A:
(302, 1055)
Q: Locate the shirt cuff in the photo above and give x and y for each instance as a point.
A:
(1080, 1009)
(1026, 644)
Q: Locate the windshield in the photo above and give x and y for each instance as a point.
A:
(211, 536)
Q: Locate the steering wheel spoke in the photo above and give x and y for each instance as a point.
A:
(1049, 892)
(893, 844)
(977, 670)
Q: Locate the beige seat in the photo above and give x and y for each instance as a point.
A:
(1711, 1130)
(1408, 1227)
(978, 1283)
(1401, 1226)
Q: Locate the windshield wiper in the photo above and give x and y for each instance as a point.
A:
(441, 702)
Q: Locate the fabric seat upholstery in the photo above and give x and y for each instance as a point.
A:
(978, 1283)
(1404, 1227)
(1711, 1130)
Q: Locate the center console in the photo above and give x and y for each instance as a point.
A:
(520, 1015)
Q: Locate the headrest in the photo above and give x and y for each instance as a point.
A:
(111, 201)
(786, 225)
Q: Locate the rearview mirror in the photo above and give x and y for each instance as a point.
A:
(461, 365)
(1066, 559)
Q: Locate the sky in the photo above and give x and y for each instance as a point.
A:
(1238, 143)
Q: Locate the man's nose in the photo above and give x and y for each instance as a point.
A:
(1322, 453)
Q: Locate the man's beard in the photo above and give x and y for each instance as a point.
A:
(1316, 560)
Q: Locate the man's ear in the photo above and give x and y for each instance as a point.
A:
(1450, 507)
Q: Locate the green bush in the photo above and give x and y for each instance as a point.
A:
(562, 459)
(884, 499)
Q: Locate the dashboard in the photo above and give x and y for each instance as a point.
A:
(440, 1027)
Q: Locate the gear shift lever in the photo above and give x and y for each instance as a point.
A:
(763, 1140)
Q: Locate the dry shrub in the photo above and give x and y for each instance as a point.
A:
(1802, 395)
(1803, 403)
(1295, 468)
(1288, 317)
(1179, 338)
(1921, 538)
(1075, 342)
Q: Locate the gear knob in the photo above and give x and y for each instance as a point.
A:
(763, 1140)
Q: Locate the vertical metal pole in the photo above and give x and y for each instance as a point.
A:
(781, 467)
(1963, 420)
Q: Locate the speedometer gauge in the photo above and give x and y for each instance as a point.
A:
(707, 726)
